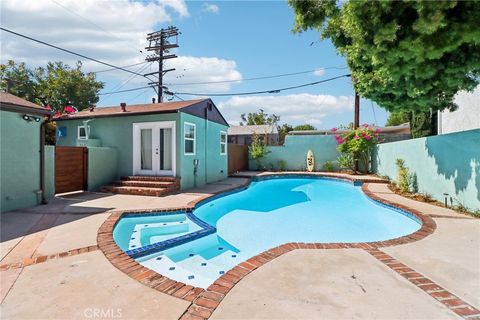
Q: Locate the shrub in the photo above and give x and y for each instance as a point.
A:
(282, 165)
(328, 166)
(403, 176)
(257, 150)
(345, 161)
(358, 143)
(413, 182)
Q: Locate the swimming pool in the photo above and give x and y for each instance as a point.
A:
(198, 247)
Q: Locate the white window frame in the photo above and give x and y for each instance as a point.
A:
(85, 130)
(223, 133)
(194, 139)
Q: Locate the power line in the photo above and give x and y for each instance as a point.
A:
(373, 110)
(71, 52)
(255, 78)
(256, 92)
(111, 69)
(126, 90)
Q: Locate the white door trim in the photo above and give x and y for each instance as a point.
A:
(155, 126)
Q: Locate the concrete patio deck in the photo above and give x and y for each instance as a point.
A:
(327, 284)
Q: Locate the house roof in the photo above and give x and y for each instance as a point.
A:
(10, 102)
(194, 107)
(253, 129)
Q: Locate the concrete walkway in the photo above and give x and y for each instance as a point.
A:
(344, 283)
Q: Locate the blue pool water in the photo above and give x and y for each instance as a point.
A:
(265, 215)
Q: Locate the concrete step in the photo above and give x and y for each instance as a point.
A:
(156, 192)
(151, 178)
(146, 184)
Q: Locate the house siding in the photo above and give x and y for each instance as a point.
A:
(20, 161)
(212, 165)
(117, 133)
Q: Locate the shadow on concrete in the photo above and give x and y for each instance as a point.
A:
(60, 210)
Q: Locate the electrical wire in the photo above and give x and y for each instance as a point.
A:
(256, 92)
(373, 111)
(255, 78)
(111, 69)
(71, 52)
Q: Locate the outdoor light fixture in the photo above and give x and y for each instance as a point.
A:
(26, 117)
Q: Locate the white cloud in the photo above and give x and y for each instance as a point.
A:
(293, 109)
(319, 72)
(213, 8)
(201, 69)
(112, 31)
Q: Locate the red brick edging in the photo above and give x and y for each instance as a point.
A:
(445, 297)
(40, 259)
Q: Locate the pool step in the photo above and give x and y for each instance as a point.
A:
(156, 186)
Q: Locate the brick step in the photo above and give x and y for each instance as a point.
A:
(156, 192)
(146, 184)
(151, 178)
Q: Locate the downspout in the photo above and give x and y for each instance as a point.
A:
(42, 160)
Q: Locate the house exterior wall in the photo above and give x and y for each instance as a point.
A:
(212, 165)
(116, 134)
(447, 163)
(20, 161)
(466, 117)
(294, 152)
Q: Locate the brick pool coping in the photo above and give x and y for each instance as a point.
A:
(205, 301)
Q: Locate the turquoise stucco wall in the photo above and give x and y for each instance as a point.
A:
(447, 163)
(102, 167)
(294, 152)
(212, 166)
(116, 132)
(19, 161)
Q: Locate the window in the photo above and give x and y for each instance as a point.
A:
(189, 138)
(223, 142)
(82, 133)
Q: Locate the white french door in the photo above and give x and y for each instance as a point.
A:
(154, 148)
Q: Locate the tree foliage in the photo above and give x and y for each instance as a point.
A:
(57, 84)
(404, 55)
(304, 127)
(259, 118)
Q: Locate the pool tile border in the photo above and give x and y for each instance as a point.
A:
(204, 301)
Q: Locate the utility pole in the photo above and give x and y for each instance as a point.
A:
(160, 43)
(356, 119)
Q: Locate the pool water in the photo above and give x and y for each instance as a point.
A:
(265, 215)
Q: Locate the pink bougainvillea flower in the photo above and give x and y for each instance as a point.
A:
(48, 107)
(355, 138)
(367, 137)
(377, 130)
(333, 129)
(365, 125)
(70, 109)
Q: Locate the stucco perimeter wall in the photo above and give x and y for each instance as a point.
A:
(294, 152)
(19, 161)
(102, 167)
(212, 166)
(448, 163)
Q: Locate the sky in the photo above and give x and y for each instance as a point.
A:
(231, 41)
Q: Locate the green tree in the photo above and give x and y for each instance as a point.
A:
(404, 55)
(397, 118)
(283, 130)
(259, 118)
(422, 123)
(304, 127)
(56, 85)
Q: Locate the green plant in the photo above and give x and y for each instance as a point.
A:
(427, 197)
(328, 166)
(358, 143)
(257, 150)
(403, 176)
(345, 161)
(413, 182)
(282, 165)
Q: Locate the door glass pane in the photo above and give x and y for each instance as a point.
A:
(165, 149)
(146, 149)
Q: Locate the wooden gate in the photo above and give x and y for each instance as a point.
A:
(237, 158)
(70, 169)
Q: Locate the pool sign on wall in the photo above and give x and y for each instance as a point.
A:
(310, 161)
